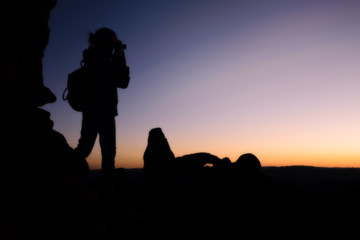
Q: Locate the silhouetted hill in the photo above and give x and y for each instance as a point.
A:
(305, 202)
(301, 182)
(307, 179)
(309, 173)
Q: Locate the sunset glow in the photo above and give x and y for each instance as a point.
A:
(279, 79)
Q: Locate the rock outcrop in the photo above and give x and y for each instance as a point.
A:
(40, 179)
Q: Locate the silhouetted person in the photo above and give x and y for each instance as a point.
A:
(247, 174)
(195, 168)
(248, 164)
(106, 65)
(158, 158)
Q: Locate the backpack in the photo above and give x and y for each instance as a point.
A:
(75, 91)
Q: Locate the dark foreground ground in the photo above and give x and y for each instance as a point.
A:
(302, 202)
(305, 202)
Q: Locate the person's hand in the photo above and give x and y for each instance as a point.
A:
(119, 46)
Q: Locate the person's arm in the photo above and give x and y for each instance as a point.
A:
(120, 71)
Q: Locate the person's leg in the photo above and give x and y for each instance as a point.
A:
(89, 131)
(107, 140)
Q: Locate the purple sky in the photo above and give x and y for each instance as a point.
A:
(276, 78)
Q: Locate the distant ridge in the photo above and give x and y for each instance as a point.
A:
(284, 174)
(298, 178)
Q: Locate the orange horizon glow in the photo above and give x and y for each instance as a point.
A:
(266, 161)
(279, 79)
(270, 156)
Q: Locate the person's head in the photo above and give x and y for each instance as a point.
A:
(248, 162)
(103, 38)
(156, 135)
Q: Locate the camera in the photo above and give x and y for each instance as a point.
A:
(119, 45)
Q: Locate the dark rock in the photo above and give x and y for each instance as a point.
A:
(41, 181)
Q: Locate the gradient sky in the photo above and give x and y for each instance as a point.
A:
(279, 79)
